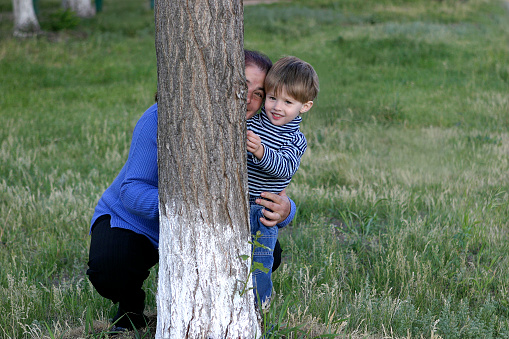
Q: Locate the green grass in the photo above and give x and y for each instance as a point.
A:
(402, 195)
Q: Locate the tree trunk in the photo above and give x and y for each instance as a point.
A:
(204, 212)
(82, 8)
(25, 21)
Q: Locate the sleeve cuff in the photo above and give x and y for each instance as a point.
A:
(290, 217)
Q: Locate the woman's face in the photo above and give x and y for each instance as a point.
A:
(255, 92)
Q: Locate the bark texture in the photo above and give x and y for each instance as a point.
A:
(204, 214)
(25, 20)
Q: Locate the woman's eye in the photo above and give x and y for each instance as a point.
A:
(259, 95)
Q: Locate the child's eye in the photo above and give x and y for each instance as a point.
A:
(288, 102)
(271, 97)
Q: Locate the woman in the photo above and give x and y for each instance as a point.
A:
(125, 224)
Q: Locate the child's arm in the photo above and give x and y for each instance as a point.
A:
(254, 145)
(283, 162)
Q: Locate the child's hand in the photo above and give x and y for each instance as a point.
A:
(254, 145)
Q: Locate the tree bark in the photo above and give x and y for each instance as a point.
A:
(82, 8)
(204, 212)
(25, 20)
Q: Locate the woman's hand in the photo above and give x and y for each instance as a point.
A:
(279, 204)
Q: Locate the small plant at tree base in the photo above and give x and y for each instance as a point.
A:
(63, 19)
(255, 265)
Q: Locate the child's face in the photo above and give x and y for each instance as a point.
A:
(255, 91)
(283, 108)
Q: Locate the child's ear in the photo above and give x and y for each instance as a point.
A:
(306, 106)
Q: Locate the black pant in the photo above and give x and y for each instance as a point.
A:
(119, 263)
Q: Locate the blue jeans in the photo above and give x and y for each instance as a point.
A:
(262, 281)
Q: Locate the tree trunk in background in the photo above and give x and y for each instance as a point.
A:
(82, 8)
(204, 212)
(25, 21)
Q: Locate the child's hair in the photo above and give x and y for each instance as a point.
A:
(257, 59)
(296, 77)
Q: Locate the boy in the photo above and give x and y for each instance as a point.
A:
(275, 146)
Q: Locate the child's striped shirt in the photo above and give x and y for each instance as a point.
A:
(283, 149)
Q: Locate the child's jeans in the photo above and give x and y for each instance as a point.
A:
(262, 281)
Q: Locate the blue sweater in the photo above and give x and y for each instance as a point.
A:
(283, 149)
(132, 199)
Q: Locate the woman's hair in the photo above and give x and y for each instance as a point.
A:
(260, 60)
(252, 58)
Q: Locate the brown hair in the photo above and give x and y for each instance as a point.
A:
(260, 60)
(296, 77)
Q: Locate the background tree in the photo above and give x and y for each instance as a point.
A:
(82, 8)
(202, 172)
(25, 20)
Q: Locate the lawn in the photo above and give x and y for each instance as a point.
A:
(403, 194)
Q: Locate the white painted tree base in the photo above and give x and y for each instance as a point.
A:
(25, 21)
(82, 8)
(198, 291)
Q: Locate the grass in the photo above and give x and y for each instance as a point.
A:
(403, 204)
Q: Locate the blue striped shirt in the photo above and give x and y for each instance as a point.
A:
(283, 149)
